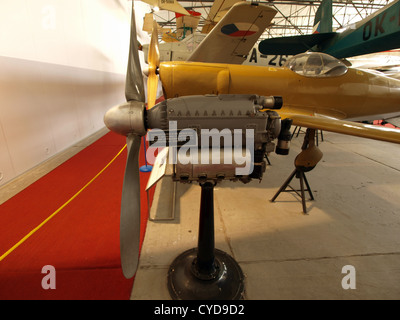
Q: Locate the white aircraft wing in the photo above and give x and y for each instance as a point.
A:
(170, 5)
(235, 34)
(217, 11)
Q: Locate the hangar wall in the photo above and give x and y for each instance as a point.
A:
(63, 65)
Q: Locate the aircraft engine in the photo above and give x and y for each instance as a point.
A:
(213, 138)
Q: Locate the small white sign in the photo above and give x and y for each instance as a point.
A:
(159, 168)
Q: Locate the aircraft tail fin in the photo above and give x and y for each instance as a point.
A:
(292, 45)
(323, 18)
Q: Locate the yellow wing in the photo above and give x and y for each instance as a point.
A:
(302, 119)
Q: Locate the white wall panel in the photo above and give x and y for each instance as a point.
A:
(91, 34)
(63, 65)
(7, 171)
(46, 108)
(16, 36)
(27, 131)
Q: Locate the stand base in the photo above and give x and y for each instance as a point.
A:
(146, 168)
(226, 283)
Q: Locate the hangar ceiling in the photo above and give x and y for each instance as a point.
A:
(293, 17)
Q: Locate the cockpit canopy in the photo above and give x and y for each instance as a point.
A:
(316, 65)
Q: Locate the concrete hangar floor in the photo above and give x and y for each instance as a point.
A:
(352, 226)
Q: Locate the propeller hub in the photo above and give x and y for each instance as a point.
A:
(127, 118)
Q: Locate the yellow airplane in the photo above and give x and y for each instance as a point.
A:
(312, 90)
(314, 87)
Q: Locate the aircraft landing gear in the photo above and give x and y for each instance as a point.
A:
(305, 161)
(205, 273)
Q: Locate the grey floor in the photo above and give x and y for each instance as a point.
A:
(284, 254)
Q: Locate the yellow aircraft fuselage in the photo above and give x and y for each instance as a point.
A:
(356, 95)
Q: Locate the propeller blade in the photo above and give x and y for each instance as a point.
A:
(134, 86)
(128, 119)
(130, 209)
(154, 62)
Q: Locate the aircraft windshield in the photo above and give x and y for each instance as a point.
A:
(316, 64)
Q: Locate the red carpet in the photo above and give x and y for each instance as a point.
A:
(81, 241)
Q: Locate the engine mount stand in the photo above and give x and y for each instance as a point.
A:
(205, 273)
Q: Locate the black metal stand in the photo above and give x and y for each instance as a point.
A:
(205, 273)
(299, 175)
(266, 158)
(316, 134)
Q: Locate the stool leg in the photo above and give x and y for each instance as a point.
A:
(283, 187)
